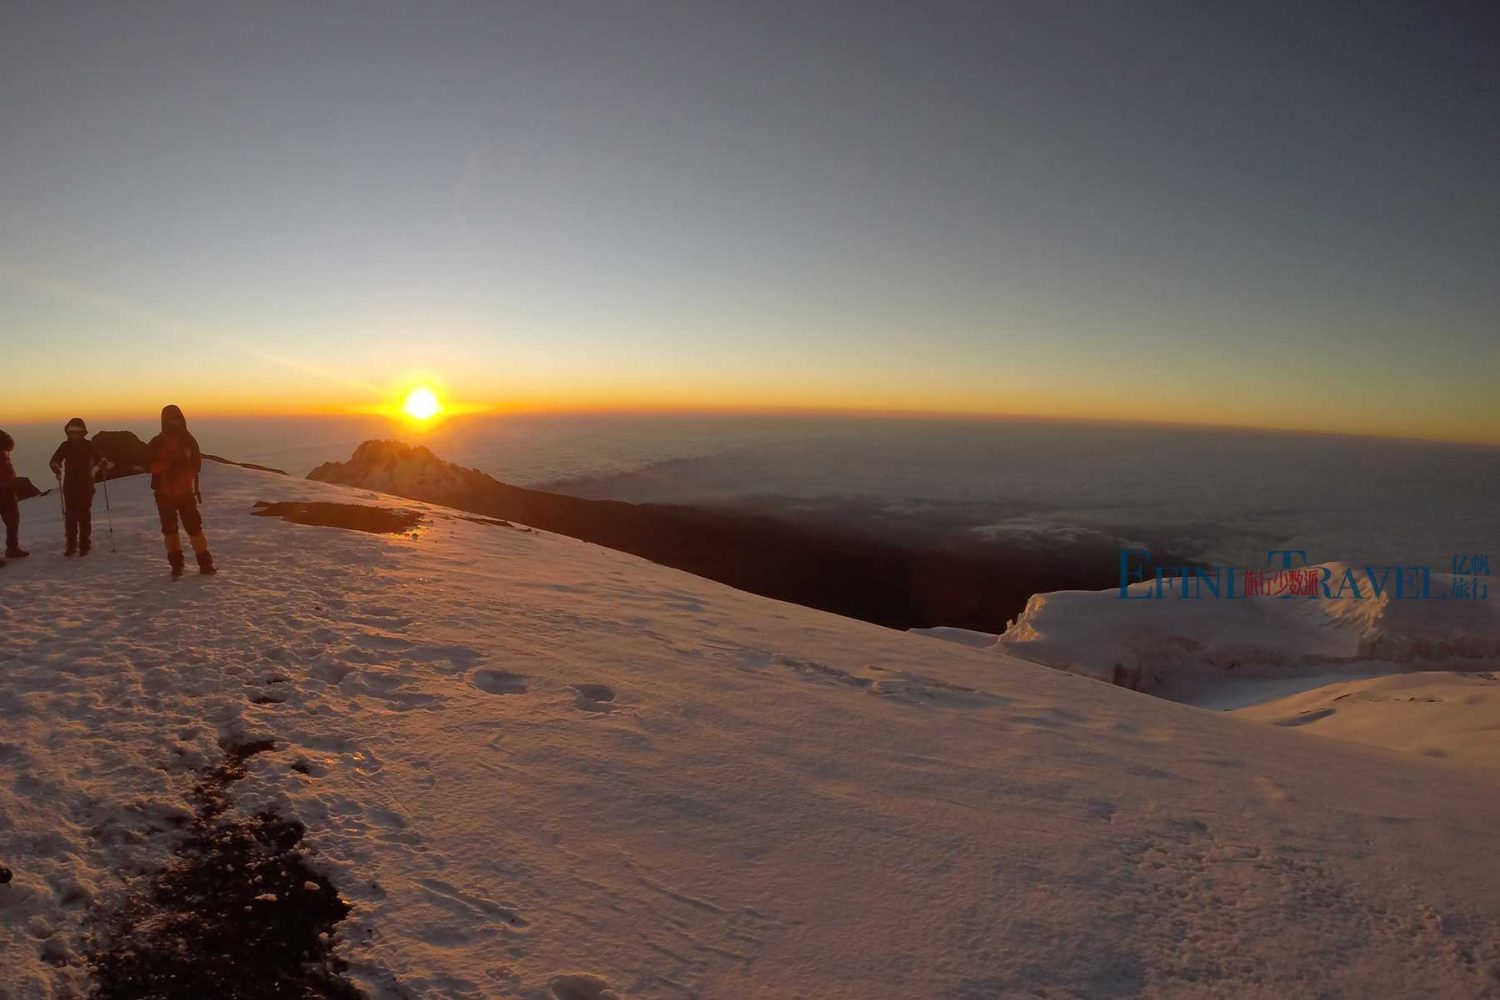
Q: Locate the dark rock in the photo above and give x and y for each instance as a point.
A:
(356, 517)
(26, 489)
(127, 453)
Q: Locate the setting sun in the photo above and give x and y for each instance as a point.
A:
(421, 404)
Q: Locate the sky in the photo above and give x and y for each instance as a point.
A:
(1282, 215)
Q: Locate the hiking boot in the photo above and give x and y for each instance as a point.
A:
(16, 553)
(175, 558)
(71, 550)
(206, 564)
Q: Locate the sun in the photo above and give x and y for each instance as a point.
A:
(421, 404)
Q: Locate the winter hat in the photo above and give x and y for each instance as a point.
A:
(77, 424)
(172, 414)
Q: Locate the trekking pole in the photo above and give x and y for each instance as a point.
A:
(62, 501)
(108, 515)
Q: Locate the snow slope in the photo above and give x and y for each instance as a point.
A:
(1359, 670)
(1449, 716)
(542, 769)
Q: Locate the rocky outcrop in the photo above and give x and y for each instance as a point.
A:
(26, 489)
(125, 451)
(819, 564)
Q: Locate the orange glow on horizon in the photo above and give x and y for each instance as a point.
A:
(1311, 416)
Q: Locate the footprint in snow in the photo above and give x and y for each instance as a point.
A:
(582, 986)
(594, 697)
(499, 682)
(311, 768)
(1311, 715)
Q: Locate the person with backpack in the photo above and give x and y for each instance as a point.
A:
(10, 508)
(175, 461)
(77, 463)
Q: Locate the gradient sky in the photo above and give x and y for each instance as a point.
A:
(1263, 214)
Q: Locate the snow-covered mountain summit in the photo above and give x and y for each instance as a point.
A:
(534, 767)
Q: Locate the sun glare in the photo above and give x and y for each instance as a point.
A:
(421, 404)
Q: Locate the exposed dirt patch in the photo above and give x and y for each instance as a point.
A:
(236, 914)
(355, 517)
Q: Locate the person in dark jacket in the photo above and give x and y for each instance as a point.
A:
(175, 461)
(10, 509)
(77, 463)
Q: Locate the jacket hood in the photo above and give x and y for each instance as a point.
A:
(76, 424)
(171, 416)
(7, 443)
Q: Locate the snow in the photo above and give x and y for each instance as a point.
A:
(1450, 716)
(972, 638)
(542, 769)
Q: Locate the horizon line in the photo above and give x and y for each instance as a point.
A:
(470, 411)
